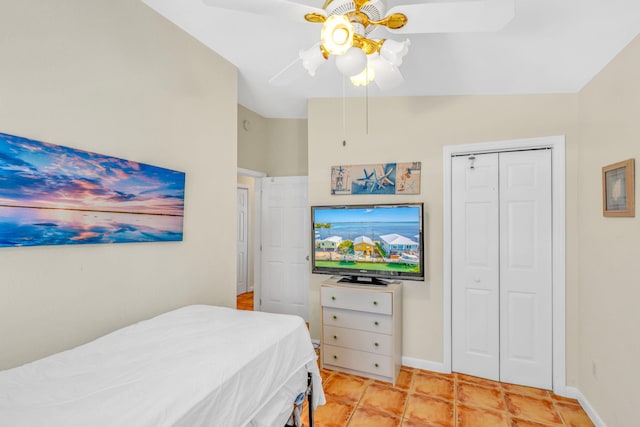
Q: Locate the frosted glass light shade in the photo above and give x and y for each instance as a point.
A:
(337, 34)
(393, 51)
(387, 76)
(352, 62)
(312, 58)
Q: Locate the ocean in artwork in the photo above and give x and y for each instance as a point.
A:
(32, 227)
(56, 195)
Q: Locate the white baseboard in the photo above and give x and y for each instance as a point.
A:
(575, 393)
(428, 365)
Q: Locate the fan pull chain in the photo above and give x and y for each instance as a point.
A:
(344, 112)
(366, 89)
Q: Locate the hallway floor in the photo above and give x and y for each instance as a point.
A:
(428, 399)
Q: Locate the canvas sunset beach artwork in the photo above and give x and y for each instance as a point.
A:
(56, 195)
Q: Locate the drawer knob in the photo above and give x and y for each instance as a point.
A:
(335, 357)
(376, 365)
(375, 303)
(333, 298)
(335, 337)
(375, 323)
(335, 317)
(376, 344)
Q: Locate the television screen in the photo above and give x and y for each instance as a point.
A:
(368, 241)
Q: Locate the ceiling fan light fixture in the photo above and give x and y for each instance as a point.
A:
(394, 51)
(386, 75)
(312, 58)
(352, 62)
(365, 77)
(337, 34)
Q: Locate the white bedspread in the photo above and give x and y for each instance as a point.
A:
(195, 366)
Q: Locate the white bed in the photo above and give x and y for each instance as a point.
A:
(195, 366)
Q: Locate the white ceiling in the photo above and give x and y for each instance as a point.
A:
(551, 46)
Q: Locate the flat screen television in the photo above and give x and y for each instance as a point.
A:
(368, 243)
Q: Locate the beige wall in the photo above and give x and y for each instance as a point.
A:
(277, 147)
(417, 129)
(113, 77)
(609, 316)
(287, 142)
(252, 140)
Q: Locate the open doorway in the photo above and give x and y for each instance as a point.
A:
(248, 261)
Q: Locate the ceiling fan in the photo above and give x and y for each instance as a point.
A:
(350, 30)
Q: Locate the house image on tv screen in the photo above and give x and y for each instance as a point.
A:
(395, 244)
(363, 245)
(330, 243)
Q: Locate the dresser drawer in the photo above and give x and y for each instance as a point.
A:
(357, 320)
(357, 360)
(357, 299)
(358, 340)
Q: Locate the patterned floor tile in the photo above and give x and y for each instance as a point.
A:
(367, 417)
(478, 417)
(479, 396)
(384, 398)
(412, 423)
(334, 413)
(517, 422)
(404, 378)
(573, 415)
(433, 385)
(428, 410)
(531, 408)
(528, 391)
(345, 387)
(476, 380)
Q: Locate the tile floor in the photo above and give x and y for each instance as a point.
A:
(245, 301)
(428, 399)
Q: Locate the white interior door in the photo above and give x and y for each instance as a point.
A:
(525, 268)
(475, 322)
(285, 246)
(501, 267)
(242, 284)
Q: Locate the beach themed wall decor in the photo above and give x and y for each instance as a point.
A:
(383, 178)
(55, 195)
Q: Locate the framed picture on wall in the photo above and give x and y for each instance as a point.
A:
(618, 193)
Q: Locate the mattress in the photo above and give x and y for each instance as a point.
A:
(195, 366)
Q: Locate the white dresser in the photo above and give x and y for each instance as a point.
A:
(362, 329)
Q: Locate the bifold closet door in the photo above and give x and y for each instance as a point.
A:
(501, 267)
(475, 272)
(525, 268)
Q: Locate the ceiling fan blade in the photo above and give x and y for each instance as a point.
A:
(455, 16)
(277, 8)
(289, 74)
